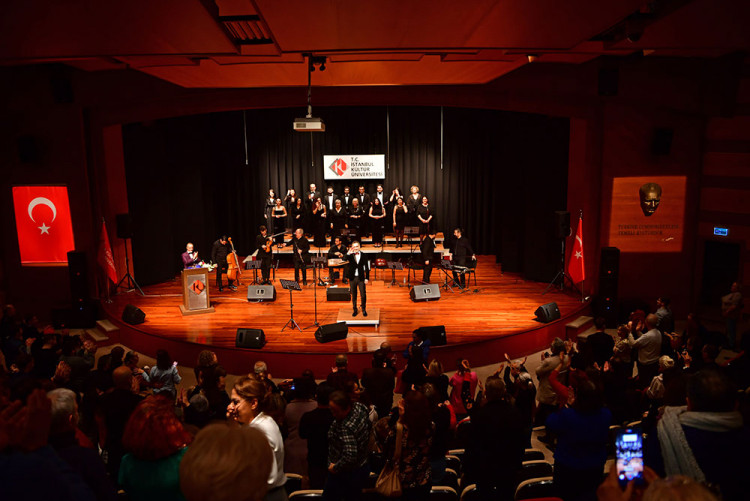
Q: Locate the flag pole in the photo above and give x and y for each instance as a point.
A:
(107, 298)
(583, 282)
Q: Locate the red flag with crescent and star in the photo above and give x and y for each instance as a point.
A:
(105, 258)
(575, 263)
(43, 224)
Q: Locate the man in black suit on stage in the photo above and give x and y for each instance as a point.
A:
(427, 247)
(260, 240)
(311, 195)
(301, 248)
(462, 254)
(346, 198)
(329, 200)
(358, 273)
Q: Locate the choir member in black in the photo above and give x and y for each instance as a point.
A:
(260, 239)
(380, 195)
(329, 200)
(299, 214)
(377, 215)
(347, 198)
(301, 249)
(337, 251)
(219, 253)
(269, 204)
(358, 273)
(338, 219)
(392, 202)
(400, 216)
(427, 248)
(320, 223)
(462, 254)
(413, 201)
(355, 218)
(290, 201)
(311, 195)
(424, 216)
(265, 253)
(279, 218)
(364, 204)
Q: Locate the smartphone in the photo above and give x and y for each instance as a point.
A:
(629, 449)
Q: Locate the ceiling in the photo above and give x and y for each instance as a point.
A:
(263, 43)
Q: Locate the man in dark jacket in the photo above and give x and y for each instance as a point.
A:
(379, 383)
(219, 253)
(599, 345)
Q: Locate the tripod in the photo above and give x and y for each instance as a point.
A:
(291, 285)
(316, 261)
(131, 283)
(561, 274)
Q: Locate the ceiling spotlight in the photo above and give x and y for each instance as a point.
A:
(532, 57)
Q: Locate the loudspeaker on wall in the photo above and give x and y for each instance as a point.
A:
(133, 315)
(547, 312)
(250, 338)
(429, 292)
(562, 224)
(331, 332)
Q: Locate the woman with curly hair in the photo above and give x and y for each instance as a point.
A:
(248, 401)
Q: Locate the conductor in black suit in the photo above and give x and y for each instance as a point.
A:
(427, 247)
(462, 254)
(358, 273)
(301, 248)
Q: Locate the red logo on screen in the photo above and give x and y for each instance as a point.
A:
(338, 167)
(43, 223)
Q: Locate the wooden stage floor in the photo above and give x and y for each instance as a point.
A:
(500, 306)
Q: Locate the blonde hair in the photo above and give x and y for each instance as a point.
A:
(226, 463)
(435, 369)
(677, 488)
(665, 362)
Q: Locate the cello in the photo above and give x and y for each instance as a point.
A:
(233, 264)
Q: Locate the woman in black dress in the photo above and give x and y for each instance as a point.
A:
(299, 214)
(424, 216)
(413, 201)
(268, 206)
(279, 218)
(290, 201)
(338, 218)
(377, 213)
(320, 222)
(355, 218)
(400, 212)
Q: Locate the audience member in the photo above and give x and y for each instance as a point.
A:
(339, 375)
(379, 383)
(164, 376)
(463, 388)
(731, 309)
(599, 345)
(545, 394)
(664, 314)
(649, 351)
(435, 376)
(313, 426)
(295, 447)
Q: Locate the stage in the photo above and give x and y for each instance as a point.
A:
(482, 323)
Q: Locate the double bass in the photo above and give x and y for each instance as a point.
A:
(233, 264)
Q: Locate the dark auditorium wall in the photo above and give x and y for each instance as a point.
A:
(188, 180)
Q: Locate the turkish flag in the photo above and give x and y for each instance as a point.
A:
(43, 224)
(575, 262)
(105, 258)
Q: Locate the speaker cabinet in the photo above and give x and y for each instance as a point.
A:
(79, 285)
(261, 293)
(338, 294)
(124, 226)
(331, 332)
(133, 315)
(547, 313)
(429, 292)
(250, 338)
(609, 272)
(562, 224)
(435, 333)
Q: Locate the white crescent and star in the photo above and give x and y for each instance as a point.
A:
(42, 201)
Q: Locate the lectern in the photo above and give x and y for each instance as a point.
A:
(195, 298)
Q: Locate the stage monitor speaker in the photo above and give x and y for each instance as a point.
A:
(562, 224)
(133, 315)
(338, 294)
(662, 142)
(547, 313)
(331, 332)
(261, 293)
(429, 292)
(124, 226)
(435, 333)
(608, 82)
(250, 338)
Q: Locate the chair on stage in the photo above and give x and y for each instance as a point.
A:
(472, 270)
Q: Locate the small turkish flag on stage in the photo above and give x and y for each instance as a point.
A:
(575, 262)
(105, 258)
(43, 224)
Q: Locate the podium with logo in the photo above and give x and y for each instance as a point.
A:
(195, 297)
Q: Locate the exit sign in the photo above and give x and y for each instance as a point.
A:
(722, 232)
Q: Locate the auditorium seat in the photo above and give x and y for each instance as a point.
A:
(442, 493)
(450, 479)
(533, 455)
(470, 493)
(307, 494)
(293, 482)
(534, 469)
(453, 462)
(534, 488)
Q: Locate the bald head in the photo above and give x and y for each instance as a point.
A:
(652, 321)
(122, 378)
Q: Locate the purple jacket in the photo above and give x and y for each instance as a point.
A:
(188, 261)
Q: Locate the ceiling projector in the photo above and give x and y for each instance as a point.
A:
(309, 124)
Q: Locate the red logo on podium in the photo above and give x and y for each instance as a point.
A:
(197, 287)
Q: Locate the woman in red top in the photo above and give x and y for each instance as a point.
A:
(463, 388)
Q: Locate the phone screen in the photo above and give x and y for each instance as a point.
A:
(629, 446)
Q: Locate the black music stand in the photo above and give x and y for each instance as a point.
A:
(291, 285)
(346, 233)
(255, 266)
(411, 231)
(317, 262)
(393, 266)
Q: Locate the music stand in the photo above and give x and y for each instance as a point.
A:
(348, 232)
(317, 262)
(291, 285)
(445, 267)
(255, 266)
(411, 231)
(393, 266)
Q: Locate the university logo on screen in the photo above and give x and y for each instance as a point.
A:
(354, 166)
(338, 167)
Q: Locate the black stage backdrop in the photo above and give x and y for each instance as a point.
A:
(502, 176)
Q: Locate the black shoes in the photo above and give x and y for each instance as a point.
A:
(355, 312)
(233, 287)
(364, 312)
(221, 289)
